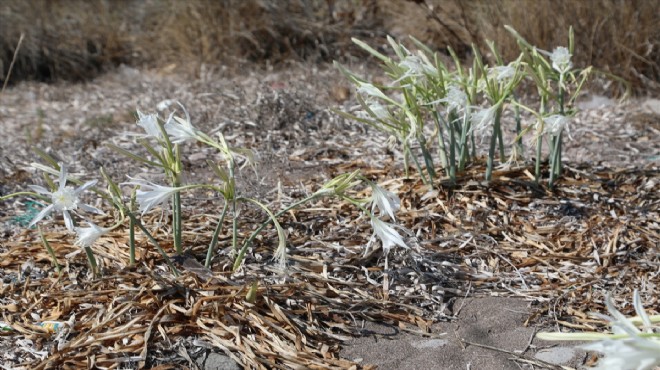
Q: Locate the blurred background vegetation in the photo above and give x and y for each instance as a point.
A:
(78, 39)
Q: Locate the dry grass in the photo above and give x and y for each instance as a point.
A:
(77, 39)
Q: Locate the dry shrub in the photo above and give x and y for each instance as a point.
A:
(76, 39)
(620, 37)
(63, 39)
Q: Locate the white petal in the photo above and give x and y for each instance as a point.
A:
(388, 236)
(85, 186)
(90, 209)
(44, 212)
(87, 236)
(68, 221)
(40, 189)
(62, 176)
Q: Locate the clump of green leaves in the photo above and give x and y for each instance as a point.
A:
(426, 102)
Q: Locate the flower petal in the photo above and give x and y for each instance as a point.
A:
(68, 221)
(40, 189)
(44, 212)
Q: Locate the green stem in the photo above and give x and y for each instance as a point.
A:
(452, 148)
(519, 141)
(500, 140)
(537, 168)
(428, 161)
(92, 260)
(493, 142)
(555, 166)
(539, 142)
(154, 242)
(441, 141)
(464, 143)
(176, 226)
(50, 250)
(131, 232)
(214, 239)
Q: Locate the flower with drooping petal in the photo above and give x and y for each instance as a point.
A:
(561, 59)
(501, 73)
(555, 124)
(633, 352)
(483, 119)
(416, 66)
(628, 347)
(64, 199)
(386, 201)
(387, 235)
(180, 130)
(150, 195)
(456, 99)
(149, 122)
(87, 236)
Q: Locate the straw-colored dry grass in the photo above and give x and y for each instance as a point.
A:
(76, 39)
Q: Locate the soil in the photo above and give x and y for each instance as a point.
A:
(285, 117)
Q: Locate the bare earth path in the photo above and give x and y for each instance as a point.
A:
(520, 255)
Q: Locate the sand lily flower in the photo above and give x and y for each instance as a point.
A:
(628, 347)
(634, 351)
(555, 124)
(87, 236)
(501, 73)
(150, 195)
(64, 199)
(180, 130)
(387, 235)
(149, 122)
(456, 99)
(386, 201)
(561, 60)
(483, 119)
(416, 66)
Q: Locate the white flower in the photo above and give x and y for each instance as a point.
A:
(561, 59)
(483, 119)
(150, 195)
(87, 236)
(180, 130)
(149, 122)
(634, 352)
(456, 99)
(386, 233)
(555, 124)
(638, 353)
(64, 199)
(416, 66)
(501, 73)
(386, 201)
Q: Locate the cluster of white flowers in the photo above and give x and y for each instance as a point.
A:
(179, 130)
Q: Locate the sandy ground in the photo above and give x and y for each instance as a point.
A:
(280, 114)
